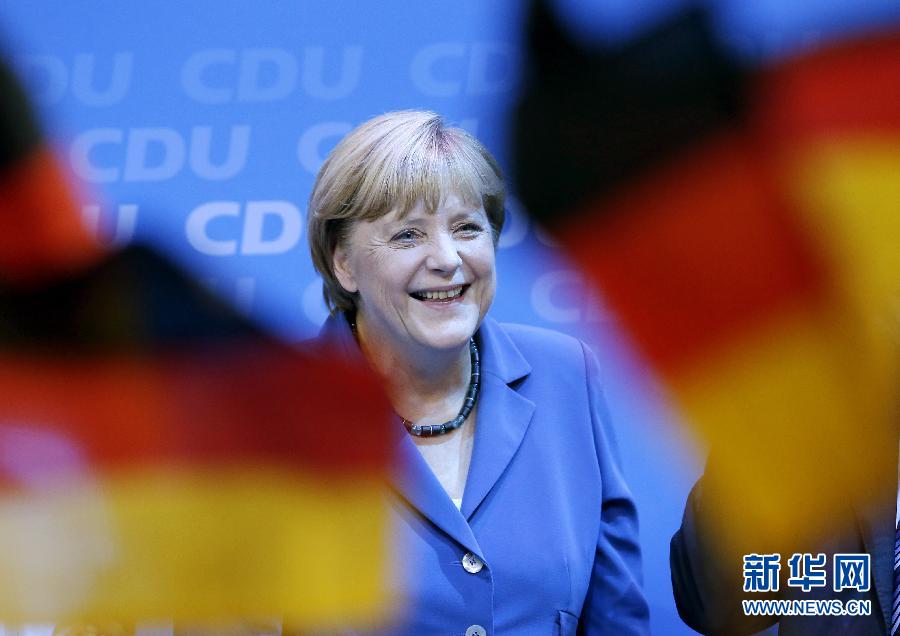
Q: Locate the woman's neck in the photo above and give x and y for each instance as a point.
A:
(423, 384)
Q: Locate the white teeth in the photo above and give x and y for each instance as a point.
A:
(439, 295)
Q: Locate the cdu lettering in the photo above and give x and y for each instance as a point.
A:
(311, 150)
(110, 89)
(115, 230)
(314, 72)
(45, 76)
(221, 76)
(197, 228)
(153, 154)
(157, 154)
(83, 155)
(449, 69)
(211, 230)
(266, 75)
(561, 297)
(515, 227)
(95, 81)
(282, 212)
(200, 76)
(235, 156)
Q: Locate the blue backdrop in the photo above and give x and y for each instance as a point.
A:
(199, 127)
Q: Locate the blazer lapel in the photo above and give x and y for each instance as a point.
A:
(503, 415)
(503, 418)
(417, 484)
(502, 421)
(411, 478)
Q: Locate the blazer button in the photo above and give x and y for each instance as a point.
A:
(476, 630)
(472, 564)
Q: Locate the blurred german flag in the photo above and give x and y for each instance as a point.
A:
(160, 457)
(744, 228)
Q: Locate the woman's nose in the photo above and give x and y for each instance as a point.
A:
(443, 254)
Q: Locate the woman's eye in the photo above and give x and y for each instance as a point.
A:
(406, 236)
(469, 228)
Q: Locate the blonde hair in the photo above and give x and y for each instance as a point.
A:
(393, 161)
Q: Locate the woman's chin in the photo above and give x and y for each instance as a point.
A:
(447, 331)
(446, 344)
(449, 339)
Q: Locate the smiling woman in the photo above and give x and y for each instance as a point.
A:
(511, 512)
(424, 280)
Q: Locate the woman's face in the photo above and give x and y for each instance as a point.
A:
(426, 280)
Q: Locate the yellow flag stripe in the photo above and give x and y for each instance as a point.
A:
(786, 416)
(158, 543)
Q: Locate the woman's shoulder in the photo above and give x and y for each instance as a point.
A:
(537, 337)
(546, 347)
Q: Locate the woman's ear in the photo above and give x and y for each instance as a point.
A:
(341, 264)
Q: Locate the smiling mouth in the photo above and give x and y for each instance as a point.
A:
(441, 296)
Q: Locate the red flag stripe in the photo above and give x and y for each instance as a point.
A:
(245, 404)
(697, 252)
(41, 231)
(844, 89)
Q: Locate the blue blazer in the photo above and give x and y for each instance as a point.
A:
(545, 508)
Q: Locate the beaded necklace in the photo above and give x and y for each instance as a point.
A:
(433, 430)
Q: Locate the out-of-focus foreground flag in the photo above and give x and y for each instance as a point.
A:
(159, 457)
(744, 227)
